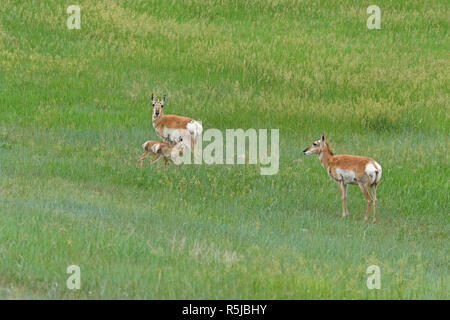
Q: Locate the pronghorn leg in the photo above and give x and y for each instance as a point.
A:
(364, 189)
(155, 159)
(341, 191)
(373, 188)
(142, 157)
(165, 162)
(345, 199)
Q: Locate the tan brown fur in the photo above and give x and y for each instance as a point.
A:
(348, 162)
(349, 169)
(170, 121)
(163, 151)
(171, 127)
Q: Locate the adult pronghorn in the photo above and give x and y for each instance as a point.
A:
(171, 128)
(345, 170)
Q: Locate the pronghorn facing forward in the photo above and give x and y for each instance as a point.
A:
(171, 128)
(162, 150)
(345, 169)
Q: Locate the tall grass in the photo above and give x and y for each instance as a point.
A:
(74, 111)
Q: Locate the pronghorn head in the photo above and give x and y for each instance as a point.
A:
(157, 107)
(316, 147)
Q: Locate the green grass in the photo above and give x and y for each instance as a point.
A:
(74, 111)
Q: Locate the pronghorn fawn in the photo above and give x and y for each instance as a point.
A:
(170, 128)
(162, 150)
(345, 170)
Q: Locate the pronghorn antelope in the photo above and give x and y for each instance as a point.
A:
(162, 150)
(345, 170)
(170, 127)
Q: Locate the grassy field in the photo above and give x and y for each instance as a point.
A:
(74, 111)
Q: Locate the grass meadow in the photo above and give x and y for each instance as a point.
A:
(75, 110)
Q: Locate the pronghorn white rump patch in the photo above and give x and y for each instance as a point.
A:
(373, 171)
(195, 129)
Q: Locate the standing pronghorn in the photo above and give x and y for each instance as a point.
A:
(171, 128)
(345, 169)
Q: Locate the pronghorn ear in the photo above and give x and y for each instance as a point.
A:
(153, 101)
(163, 101)
(322, 140)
